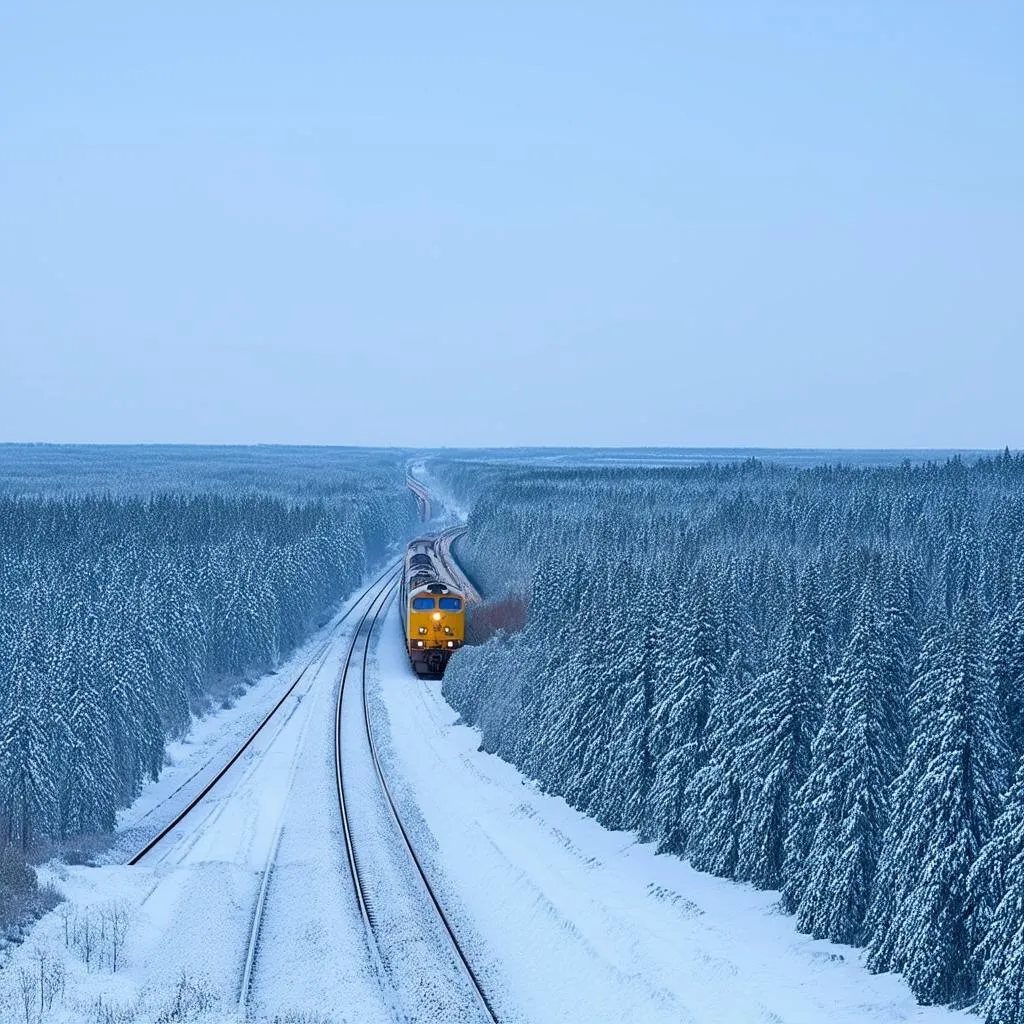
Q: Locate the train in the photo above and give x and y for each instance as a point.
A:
(434, 610)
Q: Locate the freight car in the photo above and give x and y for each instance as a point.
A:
(433, 610)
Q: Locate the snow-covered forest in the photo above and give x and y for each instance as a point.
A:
(133, 583)
(809, 680)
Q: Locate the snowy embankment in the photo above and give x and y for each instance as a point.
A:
(167, 939)
(568, 921)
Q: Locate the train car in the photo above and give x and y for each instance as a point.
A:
(434, 610)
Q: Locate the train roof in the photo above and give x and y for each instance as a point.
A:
(436, 588)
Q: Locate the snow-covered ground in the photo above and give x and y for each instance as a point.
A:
(192, 761)
(563, 920)
(568, 921)
(188, 908)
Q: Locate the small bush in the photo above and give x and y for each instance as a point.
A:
(303, 1018)
(192, 998)
(103, 1012)
(22, 900)
(484, 620)
(80, 849)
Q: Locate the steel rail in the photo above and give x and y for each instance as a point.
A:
(461, 959)
(252, 949)
(195, 801)
(387, 989)
(443, 546)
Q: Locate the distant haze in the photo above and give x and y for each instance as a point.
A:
(786, 224)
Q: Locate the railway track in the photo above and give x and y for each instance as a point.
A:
(375, 593)
(188, 832)
(317, 658)
(422, 496)
(443, 546)
(423, 969)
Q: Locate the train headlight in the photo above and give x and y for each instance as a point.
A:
(448, 630)
(451, 643)
(423, 629)
(419, 643)
(437, 616)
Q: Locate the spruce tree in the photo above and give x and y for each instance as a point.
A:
(773, 753)
(713, 794)
(996, 884)
(682, 717)
(925, 927)
(850, 811)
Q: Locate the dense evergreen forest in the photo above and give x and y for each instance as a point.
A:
(122, 605)
(810, 680)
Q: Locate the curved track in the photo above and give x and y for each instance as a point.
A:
(318, 655)
(443, 546)
(423, 970)
(252, 949)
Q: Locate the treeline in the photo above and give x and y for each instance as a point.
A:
(810, 680)
(117, 614)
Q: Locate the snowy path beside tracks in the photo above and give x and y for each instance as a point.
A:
(570, 922)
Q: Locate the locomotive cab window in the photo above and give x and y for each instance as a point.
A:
(450, 604)
(422, 604)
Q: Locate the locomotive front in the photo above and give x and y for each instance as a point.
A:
(435, 612)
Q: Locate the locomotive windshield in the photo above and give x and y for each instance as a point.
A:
(421, 604)
(450, 604)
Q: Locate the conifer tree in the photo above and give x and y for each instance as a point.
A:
(773, 753)
(1006, 663)
(713, 795)
(851, 808)
(28, 773)
(996, 884)
(681, 717)
(924, 926)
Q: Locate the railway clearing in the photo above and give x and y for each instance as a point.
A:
(356, 856)
(291, 870)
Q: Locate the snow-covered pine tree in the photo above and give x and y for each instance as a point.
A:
(850, 811)
(996, 885)
(1006, 663)
(899, 864)
(712, 796)
(682, 715)
(626, 773)
(88, 786)
(924, 927)
(28, 770)
(773, 753)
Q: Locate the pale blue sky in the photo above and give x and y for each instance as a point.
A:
(597, 223)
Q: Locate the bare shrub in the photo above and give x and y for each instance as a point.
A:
(50, 976)
(103, 1012)
(47, 897)
(115, 922)
(39, 984)
(86, 936)
(303, 1018)
(484, 620)
(192, 998)
(26, 982)
(67, 916)
(222, 691)
(18, 887)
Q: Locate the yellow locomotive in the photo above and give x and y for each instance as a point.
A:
(434, 610)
